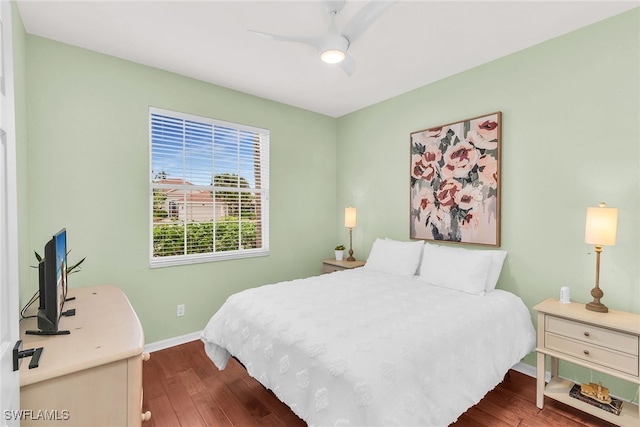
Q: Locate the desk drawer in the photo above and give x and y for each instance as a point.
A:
(593, 335)
(613, 359)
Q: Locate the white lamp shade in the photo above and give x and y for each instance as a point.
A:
(602, 226)
(350, 217)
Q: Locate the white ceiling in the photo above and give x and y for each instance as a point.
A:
(414, 43)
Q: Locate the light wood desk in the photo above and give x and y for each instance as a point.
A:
(93, 376)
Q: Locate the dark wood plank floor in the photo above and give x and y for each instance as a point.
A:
(183, 388)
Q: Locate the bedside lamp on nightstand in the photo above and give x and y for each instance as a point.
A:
(600, 230)
(350, 223)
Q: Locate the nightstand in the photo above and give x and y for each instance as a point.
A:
(331, 265)
(604, 342)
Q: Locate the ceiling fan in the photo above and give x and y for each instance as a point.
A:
(334, 45)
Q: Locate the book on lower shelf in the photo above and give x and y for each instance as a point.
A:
(614, 407)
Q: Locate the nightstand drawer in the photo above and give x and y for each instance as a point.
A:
(613, 359)
(593, 335)
(327, 268)
(331, 265)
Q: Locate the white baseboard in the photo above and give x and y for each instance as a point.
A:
(171, 342)
(529, 370)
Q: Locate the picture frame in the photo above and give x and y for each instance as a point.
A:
(455, 181)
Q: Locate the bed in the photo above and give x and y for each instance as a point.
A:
(376, 346)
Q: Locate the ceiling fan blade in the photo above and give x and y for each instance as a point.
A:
(364, 18)
(311, 41)
(348, 64)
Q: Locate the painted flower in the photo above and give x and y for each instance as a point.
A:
(432, 153)
(484, 133)
(425, 166)
(440, 219)
(422, 169)
(469, 222)
(446, 194)
(459, 160)
(434, 132)
(468, 197)
(428, 136)
(424, 200)
(417, 166)
(488, 170)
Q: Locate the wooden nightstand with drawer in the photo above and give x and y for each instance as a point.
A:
(605, 342)
(331, 265)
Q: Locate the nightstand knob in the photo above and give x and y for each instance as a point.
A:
(586, 334)
(586, 352)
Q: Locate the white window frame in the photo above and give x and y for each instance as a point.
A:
(165, 261)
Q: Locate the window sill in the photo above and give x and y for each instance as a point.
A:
(171, 261)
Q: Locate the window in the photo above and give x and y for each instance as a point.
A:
(209, 189)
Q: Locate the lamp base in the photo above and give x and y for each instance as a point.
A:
(351, 258)
(596, 292)
(597, 306)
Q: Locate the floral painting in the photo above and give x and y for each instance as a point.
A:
(455, 182)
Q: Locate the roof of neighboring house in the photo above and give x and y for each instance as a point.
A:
(173, 181)
(200, 196)
(192, 196)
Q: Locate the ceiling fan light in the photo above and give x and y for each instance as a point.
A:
(332, 56)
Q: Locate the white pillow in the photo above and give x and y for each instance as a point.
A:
(497, 259)
(455, 268)
(395, 257)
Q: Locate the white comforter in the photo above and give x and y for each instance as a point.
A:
(361, 348)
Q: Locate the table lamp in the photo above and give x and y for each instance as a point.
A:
(600, 230)
(350, 223)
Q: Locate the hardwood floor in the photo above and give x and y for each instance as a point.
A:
(183, 388)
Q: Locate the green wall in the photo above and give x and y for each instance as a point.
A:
(88, 162)
(570, 139)
(22, 156)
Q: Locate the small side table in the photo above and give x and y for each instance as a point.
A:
(604, 342)
(331, 265)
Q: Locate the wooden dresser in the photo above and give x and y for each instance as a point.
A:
(93, 376)
(604, 342)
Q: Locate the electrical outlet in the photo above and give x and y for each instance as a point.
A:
(180, 310)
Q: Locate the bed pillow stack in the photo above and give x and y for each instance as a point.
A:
(466, 270)
(471, 271)
(395, 257)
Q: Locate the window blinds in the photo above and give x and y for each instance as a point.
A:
(209, 188)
